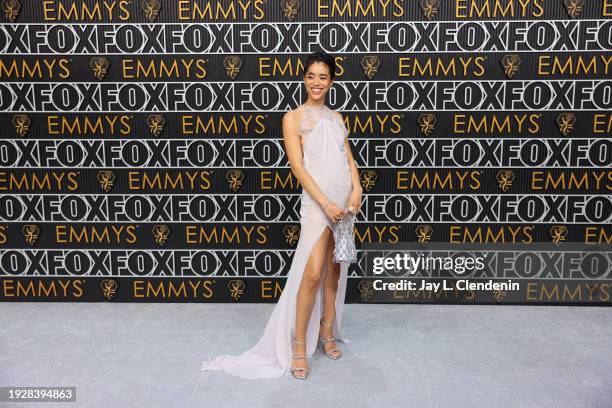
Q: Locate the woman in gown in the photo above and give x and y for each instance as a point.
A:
(309, 310)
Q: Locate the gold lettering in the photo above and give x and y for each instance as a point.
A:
(103, 125)
(221, 234)
(181, 181)
(195, 125)
(415, 67)
(574, 65)
(164, 68)
(54, 10)
(607, 8)
(34, 182)
(572, 180)
(494, 124)
(461, 234)
(451, 181)
(270, 289)
(93, 234)
(597, 235)
(602, 123)
(168, 289)
(37, 288)
(498, 8)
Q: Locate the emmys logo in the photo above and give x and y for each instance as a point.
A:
(558, 234)
(106, 178)
(511, 65)
(423, 233)
(151, 9)
(109, 288)
(499, 295)
(232, 66)
(365, 290)
(22, 124)
(161, 232)
(292, 234)
(11, 9)
(427, 123)
(156, 124)
(369, 65)
(505, 179)
(565, 122)
(99, 67)
(573, 7)
(235, 179)
(368, 179)
(429, 8)
(236, 288)
(290, 8)
(31, 233)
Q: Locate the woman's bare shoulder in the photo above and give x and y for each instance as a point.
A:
(338, 114)
(293, 115)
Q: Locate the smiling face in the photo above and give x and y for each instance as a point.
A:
(317, 80)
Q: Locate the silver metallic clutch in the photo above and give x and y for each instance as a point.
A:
(345, 250)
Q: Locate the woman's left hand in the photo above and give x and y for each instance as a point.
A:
(354, 200)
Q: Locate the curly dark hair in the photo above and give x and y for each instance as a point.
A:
(321, 56)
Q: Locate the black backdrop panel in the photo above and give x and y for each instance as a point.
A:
(142, 157)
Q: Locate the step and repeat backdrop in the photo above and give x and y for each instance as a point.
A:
(142, 157)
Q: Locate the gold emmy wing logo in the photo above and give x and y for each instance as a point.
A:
(11, 9)
(573, 7)
(31, 233)
(151, 9)
(156, 124)
(368, 179)
(292, 234)
(505, 179)
(236, 288)
(369, 65)
(423, 233)
(499, 295)
(429, 8)
(232, 66)
(106, 178)
(109, 288)
(365, 290)
(565, 122)
(160, 232)
(99, 67)
(427, 123)
(558, 234)
(290, 8)
(511, 65)
(22, 124)
(235, 179)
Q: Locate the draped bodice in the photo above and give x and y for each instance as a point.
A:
(325, 158)
(313, 116)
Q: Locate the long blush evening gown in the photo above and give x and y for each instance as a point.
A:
(325, 159)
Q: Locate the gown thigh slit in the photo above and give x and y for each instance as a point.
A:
(321, 289)
(326, 162)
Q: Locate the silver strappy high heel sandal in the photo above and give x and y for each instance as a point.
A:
(329, 353)
(302, 373)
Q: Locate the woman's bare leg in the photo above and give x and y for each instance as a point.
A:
(329, 300)
(306, 293)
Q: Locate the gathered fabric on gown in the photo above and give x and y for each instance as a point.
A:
(323, 134)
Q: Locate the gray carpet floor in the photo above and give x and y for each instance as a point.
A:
(149, 355)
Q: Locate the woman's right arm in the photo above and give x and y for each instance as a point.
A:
(293, 148)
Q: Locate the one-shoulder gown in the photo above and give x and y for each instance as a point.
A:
(323, 134)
